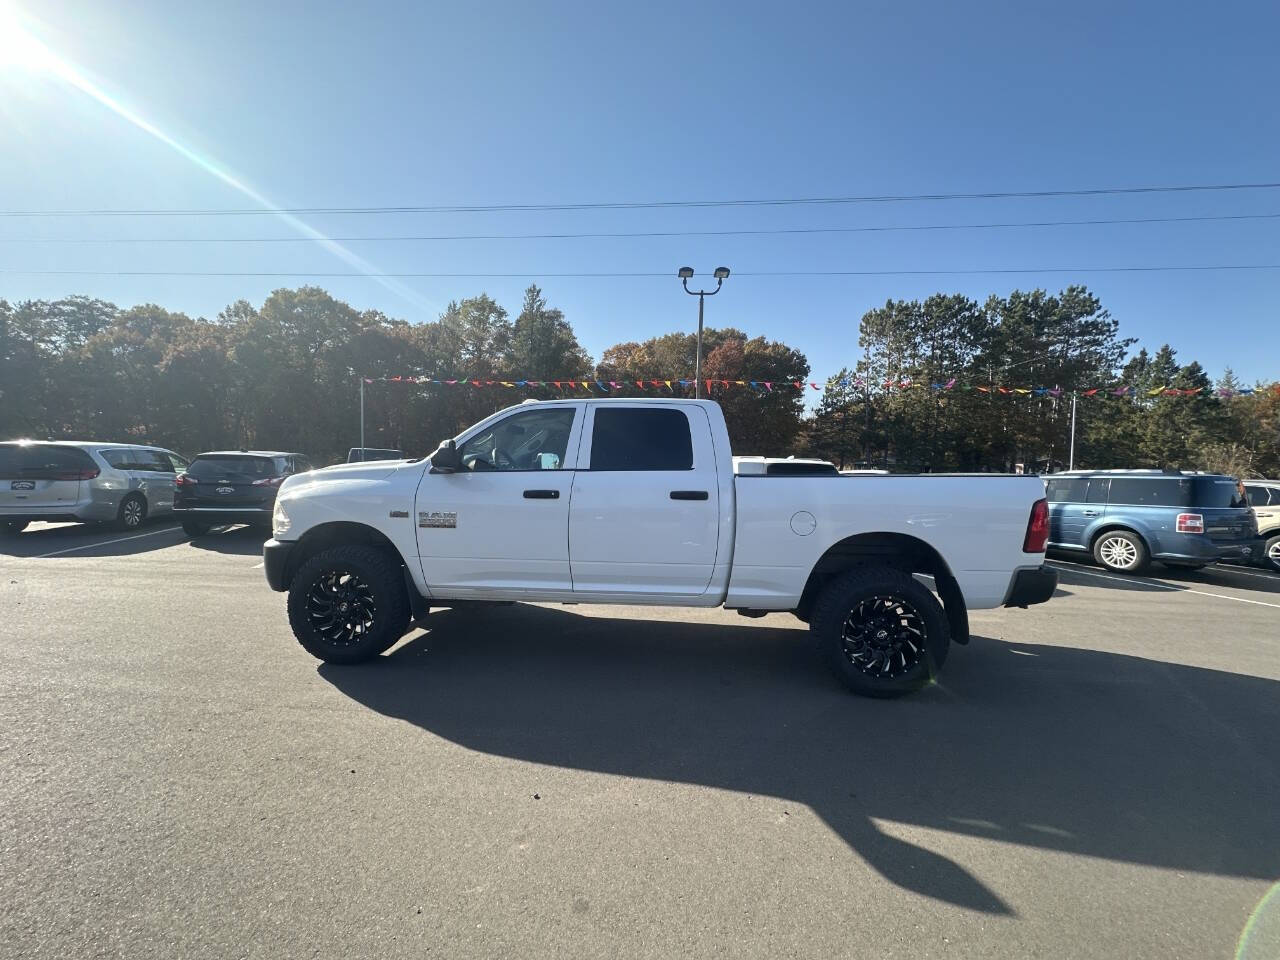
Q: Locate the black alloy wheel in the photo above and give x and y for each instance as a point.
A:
(884, 636)
(341, 608)
(883, 632)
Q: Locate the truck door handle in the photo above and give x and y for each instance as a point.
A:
(689, 495)
(542, 494)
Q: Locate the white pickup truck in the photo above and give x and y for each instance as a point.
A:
(640, 502)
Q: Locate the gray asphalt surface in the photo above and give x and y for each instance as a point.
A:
(1095, 777)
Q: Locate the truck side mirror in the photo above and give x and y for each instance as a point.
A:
(446, 459)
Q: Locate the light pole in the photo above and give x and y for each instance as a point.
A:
(1071, 457)
(686, 274)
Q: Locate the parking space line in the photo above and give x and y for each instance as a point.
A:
(1158, 585)
(104, 543)
(1247, 573)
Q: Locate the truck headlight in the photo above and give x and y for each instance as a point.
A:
(280, 521)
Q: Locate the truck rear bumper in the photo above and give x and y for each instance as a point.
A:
(1035, 585)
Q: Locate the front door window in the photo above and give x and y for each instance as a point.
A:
(529, 440)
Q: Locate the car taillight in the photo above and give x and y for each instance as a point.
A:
(88, 473)
(1190, 523)
(269, 482)
(1037, 528)
(183, 480)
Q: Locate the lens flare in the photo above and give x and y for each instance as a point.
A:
(20, 49)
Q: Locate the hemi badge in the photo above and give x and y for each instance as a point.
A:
(399, 514)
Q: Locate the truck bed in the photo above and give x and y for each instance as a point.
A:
(974, 522)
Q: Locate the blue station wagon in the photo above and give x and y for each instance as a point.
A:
(1127, 518)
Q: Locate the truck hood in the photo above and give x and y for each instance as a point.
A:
(369, 470)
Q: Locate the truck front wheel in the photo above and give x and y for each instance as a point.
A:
(882, 632)
(348, 604)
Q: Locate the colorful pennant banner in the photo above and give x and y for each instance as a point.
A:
(764, 386)
(767, 386)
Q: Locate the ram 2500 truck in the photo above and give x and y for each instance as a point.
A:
(641, 502)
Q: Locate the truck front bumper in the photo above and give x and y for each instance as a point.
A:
(1032, 585)
(275, 561)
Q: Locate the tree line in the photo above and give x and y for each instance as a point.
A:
(1065, 340)
(285, 375)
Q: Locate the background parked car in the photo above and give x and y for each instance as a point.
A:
(361, 454)
(1264, 500)
(61, 480)
(1127, 518)
(233, 486)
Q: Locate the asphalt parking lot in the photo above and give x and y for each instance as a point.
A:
(1094, 777)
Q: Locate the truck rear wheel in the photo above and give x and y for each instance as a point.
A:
(881, 631)
(348, 604)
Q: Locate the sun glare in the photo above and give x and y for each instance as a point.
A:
(18, 48)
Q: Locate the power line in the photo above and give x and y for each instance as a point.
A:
(782, 231)
(649, 204)
(649, 274)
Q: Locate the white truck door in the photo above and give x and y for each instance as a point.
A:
(645, 510)
(500, 524)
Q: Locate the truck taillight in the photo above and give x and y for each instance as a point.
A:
(1190, 523)
(1037, 528)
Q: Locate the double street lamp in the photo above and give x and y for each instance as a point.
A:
(686, 274)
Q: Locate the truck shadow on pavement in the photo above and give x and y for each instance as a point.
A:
(1064, 749)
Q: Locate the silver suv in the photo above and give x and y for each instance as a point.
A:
(117, 483)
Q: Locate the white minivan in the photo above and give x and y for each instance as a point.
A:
(119, 483)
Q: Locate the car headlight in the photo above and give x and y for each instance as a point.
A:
(280, 521)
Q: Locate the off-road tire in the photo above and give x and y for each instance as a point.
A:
(348, 603)
(881, 630)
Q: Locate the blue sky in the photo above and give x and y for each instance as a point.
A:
(336, 104)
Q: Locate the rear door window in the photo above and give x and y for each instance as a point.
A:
(631, 438)
(1098, 489)
(239, 469)
(1150, 491)
(153, 461)
(120, 459)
